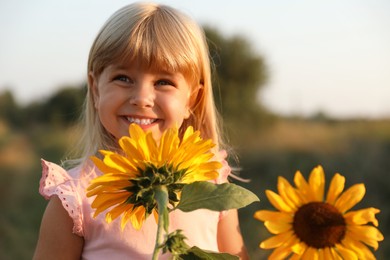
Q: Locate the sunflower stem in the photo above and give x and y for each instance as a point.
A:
(161, 197)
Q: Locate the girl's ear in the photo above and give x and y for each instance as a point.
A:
(92, 84)
(196, 95)
(194, 98)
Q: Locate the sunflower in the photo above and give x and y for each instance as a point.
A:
(131, 175)
(307, 226)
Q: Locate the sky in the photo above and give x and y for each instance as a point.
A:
(322, 56)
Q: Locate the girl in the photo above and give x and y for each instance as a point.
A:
(148, 65)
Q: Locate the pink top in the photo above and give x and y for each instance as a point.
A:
(107, 241)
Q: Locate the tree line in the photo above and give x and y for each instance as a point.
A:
(62, 108)
(239, 74)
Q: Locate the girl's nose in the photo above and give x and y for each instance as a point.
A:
(142, 95)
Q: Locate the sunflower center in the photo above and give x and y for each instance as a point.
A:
(319, 225)
(142, 188)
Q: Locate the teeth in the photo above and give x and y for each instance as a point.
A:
(139, 121)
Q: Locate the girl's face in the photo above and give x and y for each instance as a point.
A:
(153, 99)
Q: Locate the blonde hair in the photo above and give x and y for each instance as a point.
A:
(157, 36)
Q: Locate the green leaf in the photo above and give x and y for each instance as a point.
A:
(197, 253)
(217, 197)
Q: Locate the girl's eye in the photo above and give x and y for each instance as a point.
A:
(163, 82)
(123, 79)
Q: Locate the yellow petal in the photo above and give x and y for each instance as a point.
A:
(300, 181)
(100, 185)
(207, 165)
(362, 217)
(336, 187)
(138, 134)
(280, 253)
(359, 248)
(129, 215)
(113, 188)
(189, 132)
(335, 254)
(137, 217)
(109, 180)
(303, 187)
(119, 163)
(288, 193)
(346, 253)
(277, 201)
(277, 227)
(192, 164)
(295, 257)
(191, 137)
(321, 254)
(276, 241)
(129, 146)
(350, 197)
(112, 177)
(117, 211)
(299, 248)
(367, 234)
(329, 253)
(107, 200)
(168, 143)
(317, 183)
(285, 250)
(310, 254)
(193, 154)
(100, 165)
(152, 145)
(276, 216)
(204, 172)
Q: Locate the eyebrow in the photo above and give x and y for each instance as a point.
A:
(159, 71)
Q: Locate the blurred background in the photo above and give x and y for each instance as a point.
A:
(298, 83)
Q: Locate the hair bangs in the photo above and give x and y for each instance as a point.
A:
(160, 42)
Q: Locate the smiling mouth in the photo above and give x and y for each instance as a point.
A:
(141, 121)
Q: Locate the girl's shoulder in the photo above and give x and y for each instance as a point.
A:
(53, 176)
(69, 186)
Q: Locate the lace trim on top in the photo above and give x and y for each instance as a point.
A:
(56, 181)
